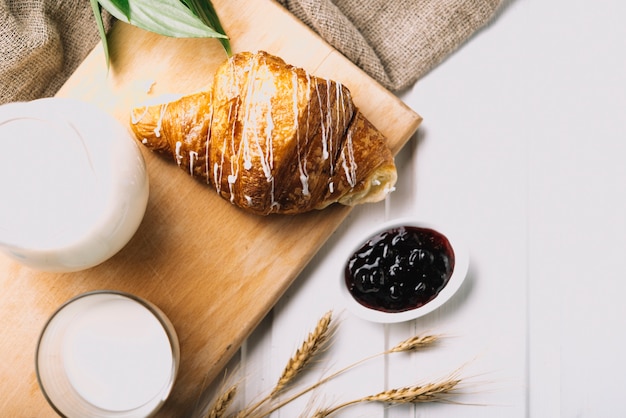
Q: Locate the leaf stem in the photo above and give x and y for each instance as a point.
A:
(97, 12)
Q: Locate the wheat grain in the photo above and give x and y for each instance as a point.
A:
(315, 342)
(432, 392)
(410, 344)
(414, 343)
(312, 345)
(218, 410)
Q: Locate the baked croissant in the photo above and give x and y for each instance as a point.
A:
(271, 138)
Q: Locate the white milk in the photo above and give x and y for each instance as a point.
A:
(73, 184)
(117, 355)
(50, 191)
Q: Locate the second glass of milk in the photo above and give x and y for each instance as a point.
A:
(107, 354)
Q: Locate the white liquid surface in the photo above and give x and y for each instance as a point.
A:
(117, 355)
(73, 184)
(49, 189)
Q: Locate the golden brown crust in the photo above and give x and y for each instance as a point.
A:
(272, 138)
(179, 128)
(365, 168)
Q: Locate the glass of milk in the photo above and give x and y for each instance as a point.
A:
(73, 184)
(107, 354)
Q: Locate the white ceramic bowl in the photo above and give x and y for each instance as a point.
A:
(459, 272)
(73, 183)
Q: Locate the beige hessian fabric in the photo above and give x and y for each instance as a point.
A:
(395, 41)
(41, 44)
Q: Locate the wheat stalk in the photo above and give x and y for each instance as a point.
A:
(432, 392)
(221, 404)
(314, 343)
(410, 344)
(414, 343)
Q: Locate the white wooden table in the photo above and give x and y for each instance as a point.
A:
(523, 152)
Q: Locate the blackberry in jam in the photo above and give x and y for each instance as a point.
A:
(400, 269)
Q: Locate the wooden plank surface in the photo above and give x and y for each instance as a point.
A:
(214, 270)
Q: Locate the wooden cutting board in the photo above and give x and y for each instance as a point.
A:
(214, 270)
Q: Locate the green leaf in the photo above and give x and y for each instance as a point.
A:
(103, 35)
(166, 17)
(206, 12)
(174, 18)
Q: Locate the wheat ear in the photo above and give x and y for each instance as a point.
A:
(414, 343)
(410, 344)
(221, 404)
(432, 392)
(314, 343)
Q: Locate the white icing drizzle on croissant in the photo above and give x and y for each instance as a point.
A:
(258, 107)
(247, 146)
(349, 164)
(178, 155)
(193, 157)
(157, 130)
(257, 89)
(324, 127)
(134, 119)
(304, 177)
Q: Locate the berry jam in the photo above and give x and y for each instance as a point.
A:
(400, 269)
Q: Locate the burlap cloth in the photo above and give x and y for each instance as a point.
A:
(394, 41)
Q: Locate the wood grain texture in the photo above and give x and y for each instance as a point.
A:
(213, 269)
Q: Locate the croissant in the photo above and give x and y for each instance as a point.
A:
(271, 138)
